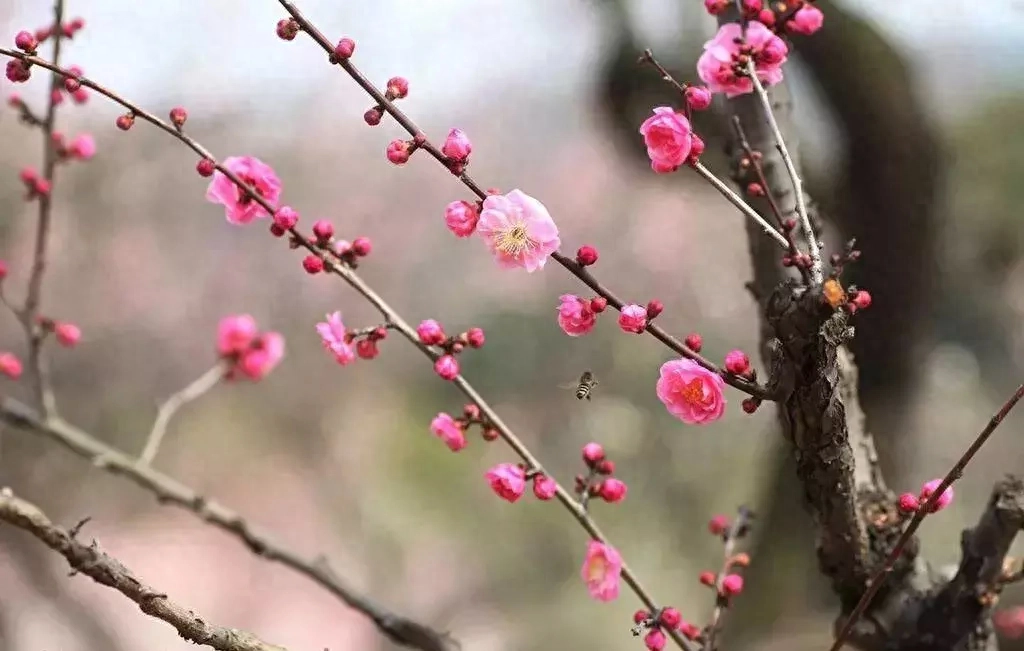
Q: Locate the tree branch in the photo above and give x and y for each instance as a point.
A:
(396, 628)
(108, 571)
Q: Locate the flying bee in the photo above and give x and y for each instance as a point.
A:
(584, 386)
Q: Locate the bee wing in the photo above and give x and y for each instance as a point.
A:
(568, 385)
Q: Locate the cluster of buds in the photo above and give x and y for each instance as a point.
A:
(346, 252)
(453, 430)
(909, 503)
(245, 350)
(35, 185)
(796, 16)
(82, 147)
(598, 481)
(653, 626)
(431, 334)
(396, 88)
(634, 318)
(851, 298)
(728, 583)
(508, 481)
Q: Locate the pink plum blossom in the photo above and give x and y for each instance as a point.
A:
(668, 138)
(261, 358)
(457, 145)
(507, 480)
(807, 20)
(448, 430)
(239, 207)
(575, 317)
(602, 568)
(518, 231)
(943, 500)
(333, 335)
(718, 65)
(633, 318)
(235, 334)
(461, 218)
(83, 147)
(690, 392)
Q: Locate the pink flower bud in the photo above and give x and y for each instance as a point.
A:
(10, 366)
(690, 631)
(605, 467)
(457, 146)
(206, 167)
(670, 618)
(345, 48)
(750, 405)
(698, 98)
(398, 87)
(807, 20)
(654, 308)
(178, 116)
(707, 578)
(696, 149)
(633, 318)
(367, 348)
(766, 17)
(17, 71)
(71, 84)
(80, 96)
(25, 41)
(752, 7)
(732, 585)
(592, 453)
(718, 524)
(737, 362)
(862, 300)
(715, 7)
(475, 337)
(449, 430)
(909, 503)
(447, 367)
(430, 332)
(323, 230)
(125, 122)
(285, 218)
(461, 218)
(3, 269)
(943, 501)
(544, 487)
(655, 640)
(586, 256)
(641, 616)
(598, 304)
(362, 246)
(373, 116)
(399, 151)
(694, 342)
(312, 264)
(613, 490)
(287, 29)
(68, 334)
(508, 481)
(83, 147)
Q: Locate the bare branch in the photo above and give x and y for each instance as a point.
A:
(197, 388)
(396, 628)
(108, 571)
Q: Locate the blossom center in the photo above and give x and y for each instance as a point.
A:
(596, 569)
(244, 198)
(693, 393)
(513, 241)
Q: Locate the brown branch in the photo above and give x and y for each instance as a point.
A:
(392, 317)
(382, 101)
(167, 490)
(108, 571)
(954, 473)
(28, 314)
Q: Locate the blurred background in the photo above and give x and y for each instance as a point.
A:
(910, 132)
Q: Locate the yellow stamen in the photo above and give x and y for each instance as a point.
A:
(513, 241)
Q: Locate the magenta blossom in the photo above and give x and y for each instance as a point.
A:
(602, 568)
(575, 316)
(239, 207)
(720, 65)
(690, 392)
(668, 138)
(333, 335)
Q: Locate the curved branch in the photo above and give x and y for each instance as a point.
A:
(108, 571)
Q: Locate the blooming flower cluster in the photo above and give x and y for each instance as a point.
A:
(452, 431)
(598, 481)
(446, 365)
(344, 344)
(250, 353)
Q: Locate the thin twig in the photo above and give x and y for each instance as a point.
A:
(36, 335)
(875, 584)
(801, 206)
(167, 490)
(738, 201)
(733, 535)
(107, 570)
(197, 388)
(357, 283)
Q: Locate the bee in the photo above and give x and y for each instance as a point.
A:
(584, 386)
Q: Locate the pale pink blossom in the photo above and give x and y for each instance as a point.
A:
(461, 218)
(457, 145)
(239, 207)
(718, 65)
(602, 569)
(332, 334)
(448, 430)
(807, 20)
(575, 317)
(518, 230)
(83, 147)
(507, 480)
(668, 138)
(943, 500)
(633, 318)
(266, 352)
(690, 392)
(235, 334)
